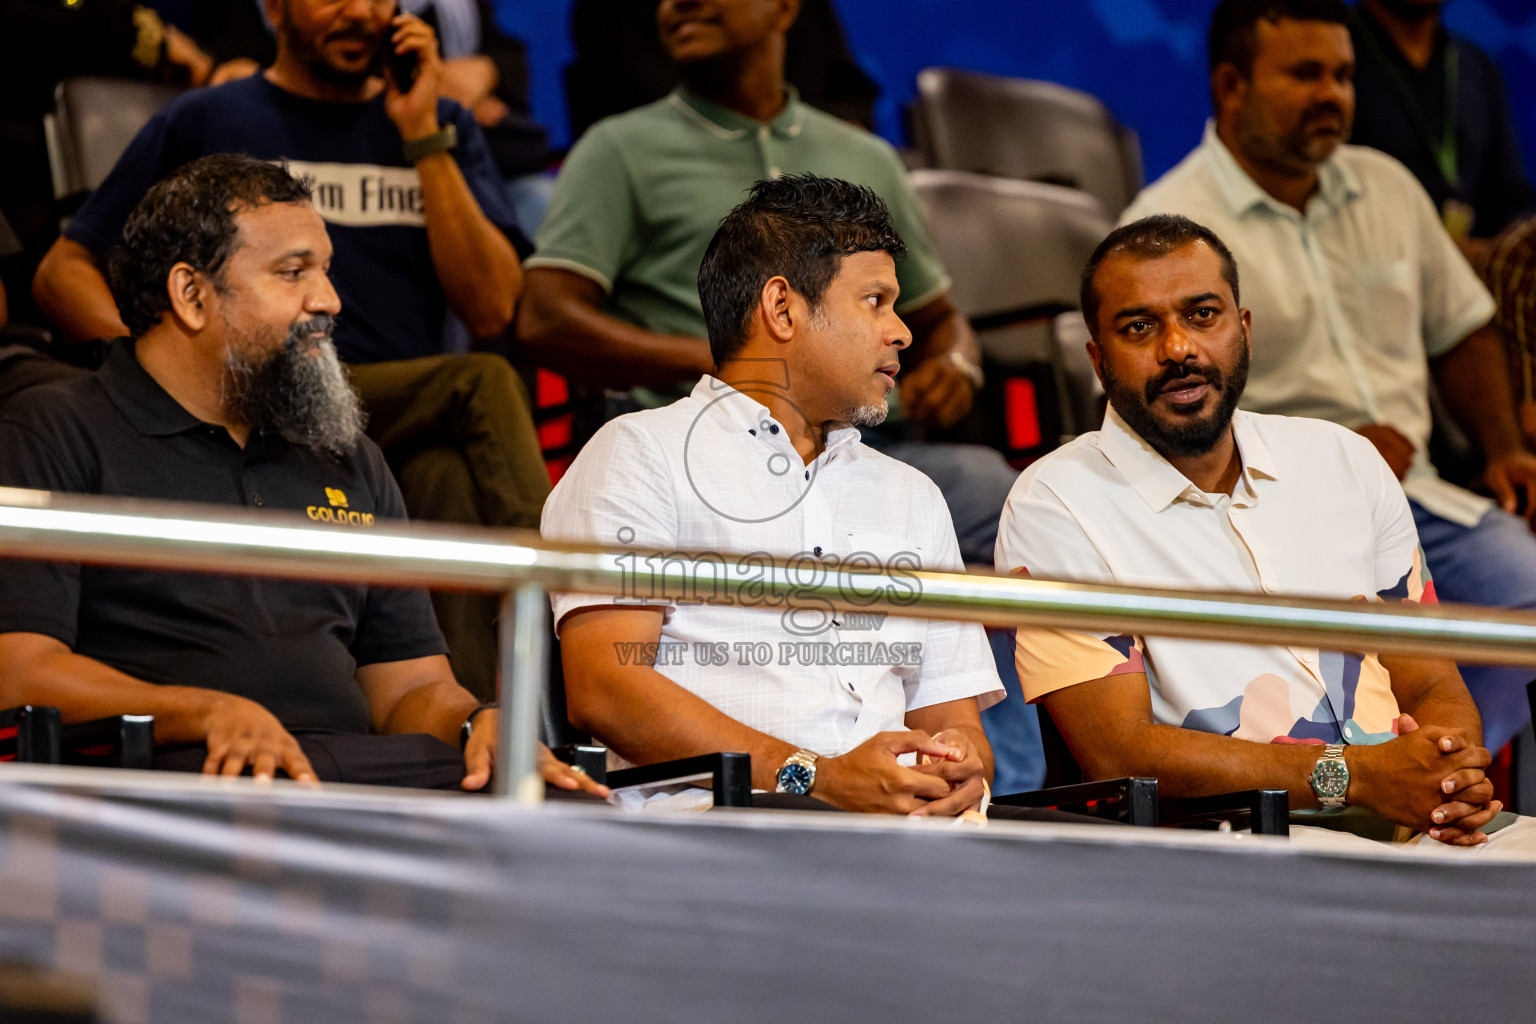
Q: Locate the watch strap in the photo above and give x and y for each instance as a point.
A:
(441, 141)
(468, 728)
(969, 370)
(804, 758)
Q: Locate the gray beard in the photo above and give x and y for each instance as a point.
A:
(299, 391)
(866, 415)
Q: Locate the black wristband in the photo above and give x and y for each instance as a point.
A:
(468, 728)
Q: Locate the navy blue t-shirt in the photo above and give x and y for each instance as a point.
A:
(393, 306)
(1492, 177)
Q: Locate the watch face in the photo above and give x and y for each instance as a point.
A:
(796, 779)
(1330, 779)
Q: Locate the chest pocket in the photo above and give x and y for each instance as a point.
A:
(899, 557)
(1390, 309)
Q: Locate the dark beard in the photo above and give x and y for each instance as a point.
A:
(1186, 437)
(298, 391)
(313, 58)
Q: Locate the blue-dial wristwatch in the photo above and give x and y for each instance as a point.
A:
(798, 775)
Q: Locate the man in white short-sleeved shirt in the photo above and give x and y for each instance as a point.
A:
(799, 293)
(1178, 490)
(1361, 298)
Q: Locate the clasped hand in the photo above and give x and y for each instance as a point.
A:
(1437, 783)
(869, 777)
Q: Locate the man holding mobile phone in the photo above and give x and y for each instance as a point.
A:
(418, 215)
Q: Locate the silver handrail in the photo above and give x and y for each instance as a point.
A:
(518, 564)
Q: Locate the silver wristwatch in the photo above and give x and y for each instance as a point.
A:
(798, 776)
(972, 373)
(1330, 776)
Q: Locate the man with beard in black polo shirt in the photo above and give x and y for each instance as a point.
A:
(229, 392)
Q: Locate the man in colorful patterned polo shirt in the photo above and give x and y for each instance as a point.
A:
(1178, 489)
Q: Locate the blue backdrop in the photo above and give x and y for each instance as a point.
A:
(1145, 58)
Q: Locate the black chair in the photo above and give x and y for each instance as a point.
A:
(1020, 128)
(92, 122)
(729, 774)
(35, 734)
(1132, 801)
(1265, 811)
(1015, 249)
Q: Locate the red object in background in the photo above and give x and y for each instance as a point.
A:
(1501, 774)
(550, 389)
(556, 423)
(1021, 414)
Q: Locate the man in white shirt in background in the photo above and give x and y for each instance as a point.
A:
(799, 292)
(1179, 490)
(1360, 298)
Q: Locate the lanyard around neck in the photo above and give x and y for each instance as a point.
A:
(1444, 148)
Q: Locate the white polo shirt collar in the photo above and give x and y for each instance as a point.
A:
(747, 414)
(1337, 185)
(1159, 484)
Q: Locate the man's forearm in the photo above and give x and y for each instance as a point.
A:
(1431, 690)
(938, 329)
(646, 717)
(72, 292)
(562, 326)
(437, 708)
(37, 670)
(475, 263)
(1473, 379)
(1188, 763)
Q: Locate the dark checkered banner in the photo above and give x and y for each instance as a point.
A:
(186, 902)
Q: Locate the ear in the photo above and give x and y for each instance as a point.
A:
(1228, 87)
(277, 11)
(789, 10)
(189, 293)
(1096, 357)
(1247, 318)
(774, 309)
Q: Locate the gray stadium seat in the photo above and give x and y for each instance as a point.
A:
(1015, 250)
(93, 121)
(1019, 128)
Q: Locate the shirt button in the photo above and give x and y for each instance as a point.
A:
(258, 501)
(773, 428)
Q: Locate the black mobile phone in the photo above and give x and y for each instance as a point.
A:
(402, 66)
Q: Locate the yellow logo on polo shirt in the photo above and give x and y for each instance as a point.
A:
(338, 512)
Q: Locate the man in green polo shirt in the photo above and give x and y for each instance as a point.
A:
(611, 296)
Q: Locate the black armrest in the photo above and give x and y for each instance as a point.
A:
(30, 734)
(34, 734)
(1136, 799)
(119, 741)
(730, 773)
(1267, 810)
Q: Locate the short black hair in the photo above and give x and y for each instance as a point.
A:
(189, 217)
(1234, 27)
(799, 227)
(1150, 238)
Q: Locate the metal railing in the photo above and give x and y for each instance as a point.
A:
(522, 567)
